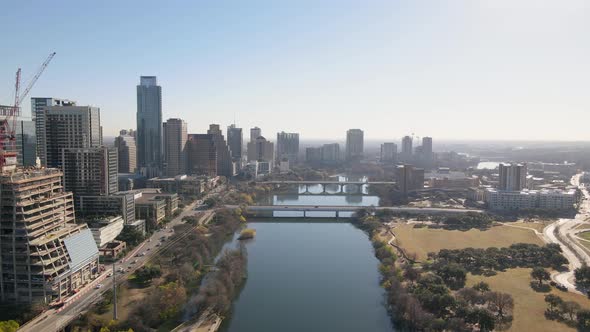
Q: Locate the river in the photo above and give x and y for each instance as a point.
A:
(309, 276)
(312, 195)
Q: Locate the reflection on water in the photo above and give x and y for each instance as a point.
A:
(310, 277)
(350, 197)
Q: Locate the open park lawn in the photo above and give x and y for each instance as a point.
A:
(529, 306)
(421, 241)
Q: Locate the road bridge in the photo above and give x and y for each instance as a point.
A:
(261, 209)
(324, 184)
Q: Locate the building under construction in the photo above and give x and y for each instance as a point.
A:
(44, 255)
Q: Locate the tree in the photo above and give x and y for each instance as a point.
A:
(570, 308)
(470, 296)
(453, 275)
(500, 303)
(131, 236)
(482, 317)
(583, 317)
(481, 287)
(540, 274)
(9, 326)
(411, 274)
(582, 275)
(554, 302)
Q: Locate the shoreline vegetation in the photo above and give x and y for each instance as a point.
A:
(163, 293)
(432, 295)
(247, 234)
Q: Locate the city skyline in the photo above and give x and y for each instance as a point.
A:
(470, 65)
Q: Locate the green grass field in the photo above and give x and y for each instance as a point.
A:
(529, 306)
(585, 235)
(421, 241)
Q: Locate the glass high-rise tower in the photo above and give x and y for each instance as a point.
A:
(149, 126)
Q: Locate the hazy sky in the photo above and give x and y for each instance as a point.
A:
(497, 69)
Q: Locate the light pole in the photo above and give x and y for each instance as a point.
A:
(114, 292)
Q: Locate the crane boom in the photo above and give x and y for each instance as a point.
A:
(8, 150)
(34, 79)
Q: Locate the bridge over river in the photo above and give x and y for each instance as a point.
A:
(259, 210)
(324, 184)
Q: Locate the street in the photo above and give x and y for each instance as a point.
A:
(563, 232)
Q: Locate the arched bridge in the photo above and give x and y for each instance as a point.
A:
(324, 184)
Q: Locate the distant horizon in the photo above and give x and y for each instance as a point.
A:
(486, 70)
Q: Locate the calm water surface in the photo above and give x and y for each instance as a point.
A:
(309, 276)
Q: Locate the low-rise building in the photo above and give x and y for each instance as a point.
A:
(152, 205)
(151, 209)
(112, 249)
(105, 230)
(445, 178)
(121, 203)
(181, 184)
(530, 199)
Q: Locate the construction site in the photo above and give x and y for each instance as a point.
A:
(44, 255)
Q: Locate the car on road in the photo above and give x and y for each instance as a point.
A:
(134, 261)
(98, 286)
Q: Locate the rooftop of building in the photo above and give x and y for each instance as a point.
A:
(25, 173)
(544, 191)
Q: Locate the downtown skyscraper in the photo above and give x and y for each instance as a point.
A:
(175, 137)
(354, 144)
(149, 126)
(235, 141)
(287, 146)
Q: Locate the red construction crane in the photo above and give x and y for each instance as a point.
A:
(8, 151)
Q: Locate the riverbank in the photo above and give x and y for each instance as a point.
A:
(162, 288)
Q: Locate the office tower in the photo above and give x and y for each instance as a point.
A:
(66, 127)
(149, 126)
(26, 142)
(354, 144)
(427, 146)
(287, 146)
(45, 256)
(235, 141)
(331, 152)
(388, 152)
(512, 177)
(175, 137)
(201, 155)
(127, 132)
(261, 150)
(127, 151)
(409, 178)
(224, 162)
(406, 154)
(90, 171)
(313, 155)
(38, 103)
(255, 133)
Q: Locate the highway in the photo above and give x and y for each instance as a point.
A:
(563, 233)
(54, 320)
